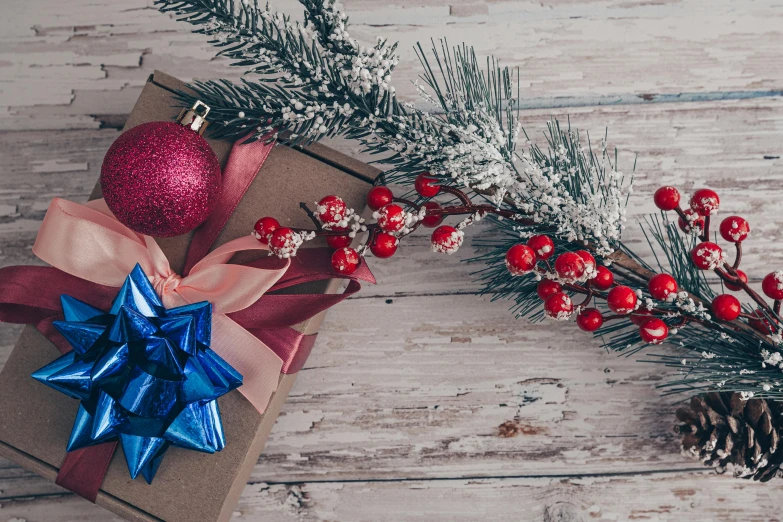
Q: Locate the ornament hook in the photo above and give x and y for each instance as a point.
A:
(195, 117)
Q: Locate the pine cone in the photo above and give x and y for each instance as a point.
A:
(729, 433)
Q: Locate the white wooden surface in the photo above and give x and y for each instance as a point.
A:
(423, 401)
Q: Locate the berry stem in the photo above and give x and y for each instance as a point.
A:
(738, 257)
(407, 202)
(458, 193)
(310, 214)
(752, 293)
(588, 297)
(705, 234)
(726, 277)
(681, 213)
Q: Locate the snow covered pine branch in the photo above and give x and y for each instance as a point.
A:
(557, 213)
(311, 79)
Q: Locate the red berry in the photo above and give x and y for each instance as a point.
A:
(654, 331)
(431, 221)
(331, 211)
(339, 241)
(520, 259)
(391, 218)
(707, 256)
(772, 285)
(621, 300)
(734, 229)
(667, 198)
(546, 287)
(569, 266)
(426, 185)
(761, 322)
(542, 245)
(558, 306)
(694, 221)
(345, 260)
(604, 278)
(284, 242)
(446, 239)
(589, 319)
(264, 227)
(588, 259)
(726, 307)
(705, 202)
(384, 245)
(661, 286)
(734, 287)
(640, 315)
(379, 197)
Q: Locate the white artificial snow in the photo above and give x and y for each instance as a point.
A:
(338, 221)
(562, 315)
(772, 359)
(709, 203)
(778, 277)
(451, 244)
(292, 244)
(390, 221)
(735, 233)
(713, 258)
(342, 264)
(656, 333)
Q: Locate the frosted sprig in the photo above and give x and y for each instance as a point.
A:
(316, 80)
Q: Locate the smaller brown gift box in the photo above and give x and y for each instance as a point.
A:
(36, 421)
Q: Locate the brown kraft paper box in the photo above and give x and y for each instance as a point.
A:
(36, 421)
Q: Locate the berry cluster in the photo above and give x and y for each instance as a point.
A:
(394, 219)
(657, 310)
(707, 255)
(576, 272)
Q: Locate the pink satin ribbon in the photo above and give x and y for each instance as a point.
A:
(86, 241)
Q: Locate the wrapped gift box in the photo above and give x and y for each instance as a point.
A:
(36, 421)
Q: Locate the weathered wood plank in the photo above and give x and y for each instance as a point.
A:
(451, 386)
(697, 497)
(77, 64)
(700, 498)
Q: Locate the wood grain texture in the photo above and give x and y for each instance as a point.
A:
(421, 399)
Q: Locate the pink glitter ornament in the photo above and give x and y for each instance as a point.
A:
(162, 178)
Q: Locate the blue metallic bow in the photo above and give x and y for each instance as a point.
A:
(143, 374)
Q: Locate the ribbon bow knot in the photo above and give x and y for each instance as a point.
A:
(164, 285)
(88, 242)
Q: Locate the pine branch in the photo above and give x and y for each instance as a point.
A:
(325, 84)
(309, 80)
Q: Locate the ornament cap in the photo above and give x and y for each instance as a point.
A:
(195, 117)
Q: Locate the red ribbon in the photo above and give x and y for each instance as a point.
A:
(244, 163)
(31, 295)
